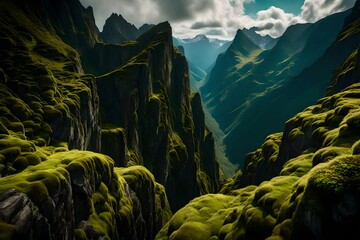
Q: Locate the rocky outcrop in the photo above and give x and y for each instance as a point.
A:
(164, 130)
(80, 195)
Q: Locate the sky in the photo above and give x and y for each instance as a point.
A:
(218, 18)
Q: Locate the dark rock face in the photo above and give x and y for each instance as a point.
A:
(74, 24)
(54, 103)
(117, 30)
(153, 106)
(113, 144)
(19, 211)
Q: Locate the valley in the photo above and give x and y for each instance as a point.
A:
(132, 133)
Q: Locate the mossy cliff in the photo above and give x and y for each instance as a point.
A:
(54, 118)
(301, 184)
(163, 127)
(49, 106)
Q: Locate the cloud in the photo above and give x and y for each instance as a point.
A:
(210, 24)
(238, 5)
(215, 32)
(313, 11)
(183, 9)
(192, 17)
(187, 17)
(274, 21)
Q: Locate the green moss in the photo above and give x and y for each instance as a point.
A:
(353, 122)
(37, 180)
(270, 195)
(163, 211)
(202, 218)
(80, 234)
(20, 163)
(11, 141)
(11, 153)
(103, 211)
(356, 148)
(298, 166)
(8, 231)
(334, 176)
(231, 183)
(136, 173)
(328, 153)
(203, 181)
(178, 151)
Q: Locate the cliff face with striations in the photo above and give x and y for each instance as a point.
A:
(138, 112)
(301, 184)
(48, 106)
(163, 127)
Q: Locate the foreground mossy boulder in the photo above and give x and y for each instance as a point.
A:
(80, 194)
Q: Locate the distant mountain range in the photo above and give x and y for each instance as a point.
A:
(201, 50)
(251, 91)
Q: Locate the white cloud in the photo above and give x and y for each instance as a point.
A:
(274, 21)
(314, 10)
(192, 17)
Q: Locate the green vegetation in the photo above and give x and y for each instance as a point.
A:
(48, 110)
(305, 182)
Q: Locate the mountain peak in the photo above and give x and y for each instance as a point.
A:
(117, 29)
(200, 37)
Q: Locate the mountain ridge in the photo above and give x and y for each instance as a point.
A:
(310, 169)
(264, 76)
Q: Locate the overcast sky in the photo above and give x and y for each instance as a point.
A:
(218, 18)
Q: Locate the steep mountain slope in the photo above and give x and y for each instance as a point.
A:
(306, 180)
(138, 112)
(68, 19)
(164, 128)
(241, 97)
